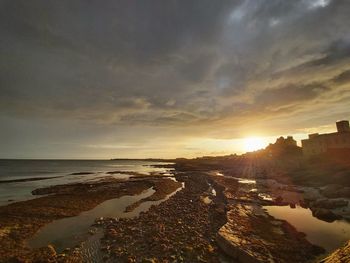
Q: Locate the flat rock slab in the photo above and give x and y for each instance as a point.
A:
(250, 237)
(341, 255)
(231, 238)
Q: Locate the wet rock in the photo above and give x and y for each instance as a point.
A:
(303, 204)
(43, 191)
(21, 220)
(335, 191)
(82, 173)
(329, 203)
(66, 250)
(51, 250)
(279, 200)
(178, 230)
(341, 255)
(149, 260)
(324, 214)
(232, 246)
(233, 241)
(250, 238)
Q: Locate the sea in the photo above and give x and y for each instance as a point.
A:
(18, 178)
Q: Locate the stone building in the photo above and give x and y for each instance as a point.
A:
(286, 141)
(330, 142)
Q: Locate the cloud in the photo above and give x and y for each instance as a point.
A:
(175, 65)
(344, 77)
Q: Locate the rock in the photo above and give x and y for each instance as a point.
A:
(241, 247)
(232, 247)
(51, 250)
(324, 214)
(335, 191)
(43, 191)
(149, 260)
(131, 259)
(210, 248)
(329, 203)
(279, 199)
(81, 173)
(341, 255)
(303, 204)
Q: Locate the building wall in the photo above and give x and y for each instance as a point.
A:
(324, 142)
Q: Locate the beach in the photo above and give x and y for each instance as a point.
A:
(183, 211)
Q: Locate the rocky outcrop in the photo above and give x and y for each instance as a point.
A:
(324, 214)
(20, 221)
(329, 203)
(81, 173)
(250, 237)
(246, 249)
(181, 229)
(341, 255)
(335, 191)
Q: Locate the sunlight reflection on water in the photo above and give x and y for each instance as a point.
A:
(327, 235)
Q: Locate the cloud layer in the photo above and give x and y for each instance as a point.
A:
(175, 69)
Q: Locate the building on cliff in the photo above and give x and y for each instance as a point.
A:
(336, 142)
(289, 141)
(284, 147)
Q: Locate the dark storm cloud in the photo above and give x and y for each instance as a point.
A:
(336, 52)
(55, 52)
(274, 99)
(174, 64)
(344, 77)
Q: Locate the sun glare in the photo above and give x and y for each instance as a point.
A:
(254, 143)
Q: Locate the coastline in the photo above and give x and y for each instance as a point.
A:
(21, 220)
(197, 223)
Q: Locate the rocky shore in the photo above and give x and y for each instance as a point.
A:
(341, 255)
(186, 228)
(207, 216)
(20, 221)
(181, 229)
(251, 235)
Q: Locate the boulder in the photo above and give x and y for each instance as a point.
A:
(335, 191)
(329, 203)
(324, 214)
(341, 255)
(51, 250)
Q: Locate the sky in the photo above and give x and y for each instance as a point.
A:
(134, 79)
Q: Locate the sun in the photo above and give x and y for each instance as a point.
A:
(254, 143)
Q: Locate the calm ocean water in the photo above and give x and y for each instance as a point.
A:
(25, 169)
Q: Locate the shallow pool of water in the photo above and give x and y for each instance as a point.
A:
(68, 232)
(245, 181)
(63, 172)
(71, 231)
(327, 235)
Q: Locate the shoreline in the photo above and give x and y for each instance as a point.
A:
(185, 228)
(21, 220)
(208, 207)
(28, 179)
